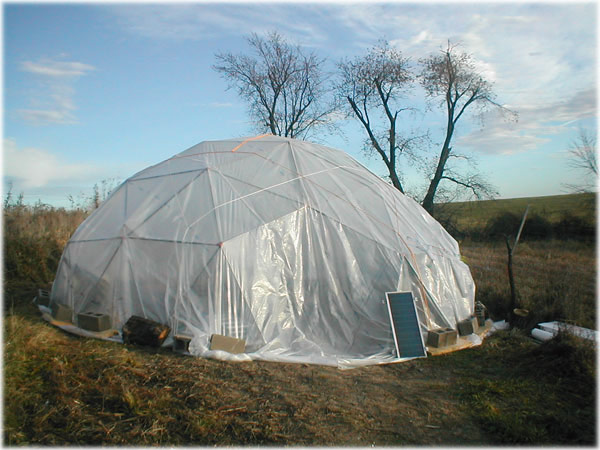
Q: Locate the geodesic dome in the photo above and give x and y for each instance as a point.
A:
(286, 244)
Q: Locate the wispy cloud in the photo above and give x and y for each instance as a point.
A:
(185, 21)
(53, 99)
(47, 116)
(33, 167)
(57, 68)
(193, 22)
(540, 57)
(537, 122)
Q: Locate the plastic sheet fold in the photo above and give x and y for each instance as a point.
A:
(286, 244)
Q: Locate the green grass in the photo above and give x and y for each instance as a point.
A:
(475, 215)
(532, 394)
(60, 389)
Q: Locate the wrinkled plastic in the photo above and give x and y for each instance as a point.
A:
(286, 244)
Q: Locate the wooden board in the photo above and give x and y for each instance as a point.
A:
(461, 342)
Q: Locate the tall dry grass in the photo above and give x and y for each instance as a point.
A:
(34, 239)
(555, 280)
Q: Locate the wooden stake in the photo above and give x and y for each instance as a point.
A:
(511, 278)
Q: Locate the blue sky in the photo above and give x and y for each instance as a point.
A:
(100, 91)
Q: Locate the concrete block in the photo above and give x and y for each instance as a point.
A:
(182, 343)
(451, 336)
(436, 338)
(441, 337)
(480, 311)
(480, 319)
(467, 326)
(93, 321)
(61, 312)
(43, 298)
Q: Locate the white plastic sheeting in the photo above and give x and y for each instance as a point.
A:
(286, 244)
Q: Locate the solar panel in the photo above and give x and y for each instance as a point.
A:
(405, 325)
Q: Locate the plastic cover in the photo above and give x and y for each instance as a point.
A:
(286, 244)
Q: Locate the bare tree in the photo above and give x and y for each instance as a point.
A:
(583, 157)
(453, 77)
(283, 86)
(373, 86)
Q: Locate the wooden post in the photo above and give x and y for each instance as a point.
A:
(511, 278)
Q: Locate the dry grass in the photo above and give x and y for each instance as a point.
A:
(86, 392)
(34, 238)
(554, 279)
(66, 390)
(60, 389)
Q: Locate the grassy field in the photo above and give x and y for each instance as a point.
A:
(64, 390)
(474, 217)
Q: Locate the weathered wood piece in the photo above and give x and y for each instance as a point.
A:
(142, 331)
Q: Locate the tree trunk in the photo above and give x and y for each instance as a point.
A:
(439, 171)
(437, 177)
(395, 180)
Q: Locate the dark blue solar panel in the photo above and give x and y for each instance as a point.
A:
(405, 325)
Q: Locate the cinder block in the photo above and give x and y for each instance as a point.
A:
(93, 321)
(451, 336)
(227, 343)
(182, 343)
(480, 318)
(480, 313)
(467, 326)
(441, 337)
(61, 312)
(43, 298)
(436, 338)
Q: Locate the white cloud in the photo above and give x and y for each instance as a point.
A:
(541, 57)
(57, 68)
(537, 122)
(500, 138)
(53, 99)
(44, 117)
(195, 22)
(32, 167)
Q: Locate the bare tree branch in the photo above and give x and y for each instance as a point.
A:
(583, 157)
(375, 83)
(285, 88)
(453, 76)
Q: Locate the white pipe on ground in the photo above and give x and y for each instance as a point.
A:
(541, 335)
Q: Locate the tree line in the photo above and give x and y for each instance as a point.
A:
(289, 93)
